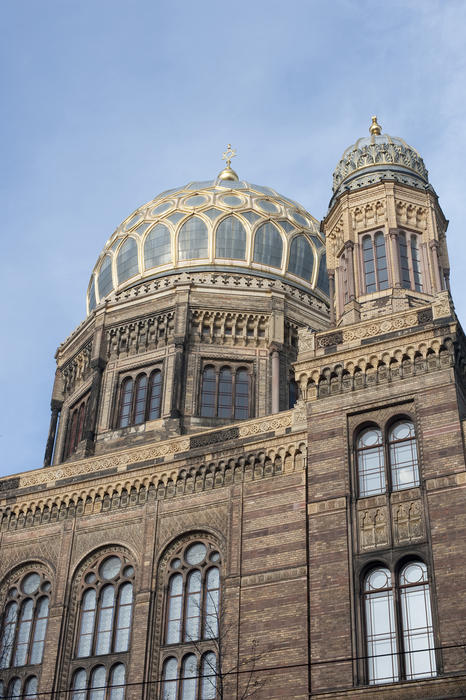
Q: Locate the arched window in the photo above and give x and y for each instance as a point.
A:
(92, 299)
(394, 462)
(106, 608)
(126, 402)
(292, 392)
(193, 240)
(127, 260)
(371, 462)
(398, 624)
(192, 619)
(155, 395)
(24, 626)
(375, 262)
(105, 279)
(75, 429)
(322, 278)
(268, 245)
(230, 240)
(301, 260)
(103, 684)
(140, 399)
(157, 247)
(225, 392)
(410, 263)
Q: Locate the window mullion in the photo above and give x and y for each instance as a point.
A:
(217, 378)
(399, 630)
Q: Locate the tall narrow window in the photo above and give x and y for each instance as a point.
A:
(374, 262)
(105, 279)
(398, 622)
(157, 247)
(140, 399)
(404, 263)
(155, 395)
(382, 659)
(410, 262)
(416, 264)
(126, 402)
(225, 393)
(127, 260)
(193, 617)
(75, 430)
(230, 239)
(193, 240)
(242, 394)
(371, 464)
(301, 260)
(268, 245)
(25, 621)
(403, 456)
(209, 391)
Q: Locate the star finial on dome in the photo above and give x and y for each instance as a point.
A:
(228, 173)
(375, 129)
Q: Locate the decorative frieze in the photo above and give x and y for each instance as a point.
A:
(229, 328)
(76, 370)
(140, 336)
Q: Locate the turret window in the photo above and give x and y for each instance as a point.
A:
(140, 399)
(75, 431)
(393, 461)
(410, 262)
(225, 392)
(374, 262)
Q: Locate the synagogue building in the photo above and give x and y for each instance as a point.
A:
(254, 482)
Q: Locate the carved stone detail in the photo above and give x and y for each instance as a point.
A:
(408, 522)
(373, 528)
(77, 369)
(140, 336)
(229, 328)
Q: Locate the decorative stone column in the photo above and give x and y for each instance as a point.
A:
(331, 291)
(350, 269)
(395, 267)
(433, 245)
(97, 365)
(55, 406)
(275, 380)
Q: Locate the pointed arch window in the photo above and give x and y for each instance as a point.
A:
(99, 683)
(371, 462)
(230, 239)
(374, 262)
(225, 392)
(410, 262)
(105, 278)
(193, 240)
(192, 619)
(157, 247)
(398, 623)
(268, 245)
(75, 429)
(140, 399)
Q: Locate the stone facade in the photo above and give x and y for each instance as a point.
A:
(277, 497)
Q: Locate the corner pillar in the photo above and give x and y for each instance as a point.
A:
(55, 406)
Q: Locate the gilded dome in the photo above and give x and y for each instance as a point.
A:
(223, 224)
(379, 157)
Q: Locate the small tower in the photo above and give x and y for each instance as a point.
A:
(385, 231)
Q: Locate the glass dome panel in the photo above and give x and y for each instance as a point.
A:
(299, 218)
(267, 206)
(251, 216)
(268, 245)
(204, 184)
(162, 208)
(142, 228)
(232, 184)
(322, 279)
(193, 240)
(127, 260)
(92, 299)
(231, 201)
(157, 247)
(301, 260)
(264, 190)
(231, 239)
(287, 225)
(195, 201)
(213, 213)
(132, 221)
(177, 216)
(105, 280)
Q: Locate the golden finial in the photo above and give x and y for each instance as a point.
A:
(228, 173)
(375, 129)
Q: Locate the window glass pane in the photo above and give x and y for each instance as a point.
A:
(381, 641)
(301, 260)
(79, 685)
(242, 394)
(155, 395)
(268, 246)
(208, 392)
(9, 627)
(124, 617)
(117, 681)
(105, 280)
(403, 456)
(404, 264)
(87, 623)
(193, 607)
(110, 567)
(382, 271)
(170, 684)
(30, 688)
(97, 684)
(292, 393)
(196, 553)
(126, 402)
(418, 636)
(225, 397)
(368, 258)
(14, 689)
(188, 674)
(193, 239)
(24, 632)
(127, 261)
(92, 300)
(416, 263)
(140, 401)
(322, 279)
(371, 462)
(104, 630)
(230, 241)
(175, 609)
(40, 629)
(157, 247)
(209, 678)
(212, 600)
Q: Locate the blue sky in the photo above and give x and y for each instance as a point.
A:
(105, 103)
